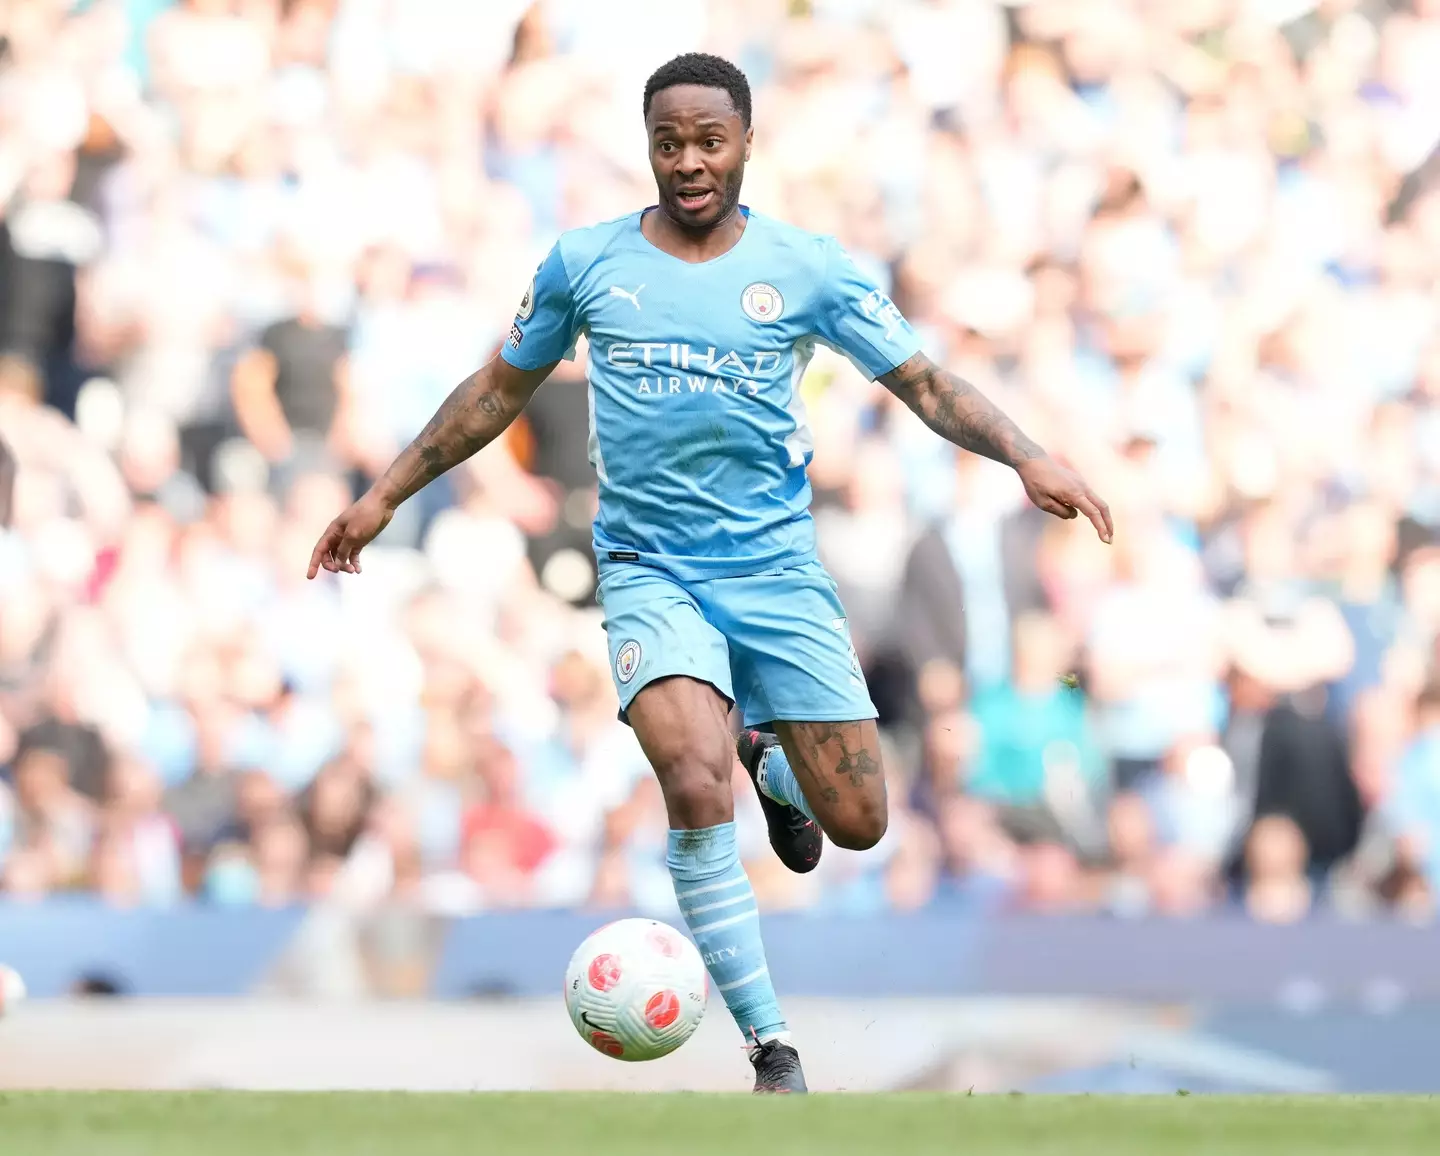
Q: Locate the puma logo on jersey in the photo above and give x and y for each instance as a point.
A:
(633, 298)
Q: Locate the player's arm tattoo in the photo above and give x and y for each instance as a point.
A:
(477, 411)
(959, 412)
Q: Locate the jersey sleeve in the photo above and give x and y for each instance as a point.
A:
(545, 328)
(859, 320)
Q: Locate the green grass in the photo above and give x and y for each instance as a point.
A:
(243, 1124)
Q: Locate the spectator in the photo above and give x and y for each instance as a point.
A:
(281, 853)
(52, 819)
(1413, 810)
(499, 837)
(291, 391)
(1276, 887)
(1050, 879)
(1036, 745)
(141, 842)
(1368, 600)
(47, 237)
(912, 873)
(1299, 767)
(1197, 809)
(77, 743)
(7, 483)
(967, 578)
(334, 807)
(1153, 662)
(1181, 884)
(1131, 836)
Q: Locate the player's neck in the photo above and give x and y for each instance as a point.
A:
(693, 245)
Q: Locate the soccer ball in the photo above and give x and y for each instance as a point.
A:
(12, 988)
(636, 990)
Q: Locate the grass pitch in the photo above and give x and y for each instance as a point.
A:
(247, 1124)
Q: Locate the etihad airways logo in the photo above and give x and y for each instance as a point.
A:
(690, 358)
(702, 368)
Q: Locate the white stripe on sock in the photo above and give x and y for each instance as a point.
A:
(749, 895)
(709, 887)
(719, 923)
(751, 978)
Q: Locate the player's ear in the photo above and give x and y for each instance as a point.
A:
(749, 140)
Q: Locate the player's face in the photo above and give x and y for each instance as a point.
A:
(698, 150)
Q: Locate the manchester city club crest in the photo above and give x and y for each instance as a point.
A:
(627, 661)
(762, 302)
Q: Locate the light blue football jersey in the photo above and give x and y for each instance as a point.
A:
(697, 428)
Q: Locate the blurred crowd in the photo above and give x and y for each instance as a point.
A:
(1193, 246)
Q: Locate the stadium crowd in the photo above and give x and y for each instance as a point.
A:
(1193, 246)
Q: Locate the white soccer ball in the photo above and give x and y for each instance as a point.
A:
(12, 988)
(636, 990)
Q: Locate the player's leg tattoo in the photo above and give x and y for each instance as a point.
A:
(837, 766)
(856, 763)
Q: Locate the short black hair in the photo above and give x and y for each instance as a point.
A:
(708, 72)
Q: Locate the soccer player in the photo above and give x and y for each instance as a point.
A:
(701, 316)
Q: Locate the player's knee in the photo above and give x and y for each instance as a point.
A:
(860, 826)
(696, 784)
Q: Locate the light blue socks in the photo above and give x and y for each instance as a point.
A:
(777, 781)
(719, 908)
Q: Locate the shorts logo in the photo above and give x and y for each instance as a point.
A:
(527, 303)
(762, 302)
(627, 661)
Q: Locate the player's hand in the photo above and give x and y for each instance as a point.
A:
(338, 550)
(1063, 492)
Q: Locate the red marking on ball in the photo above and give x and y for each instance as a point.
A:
(604, 972)
(665, 943)
(606, 1043)
(662, 1010)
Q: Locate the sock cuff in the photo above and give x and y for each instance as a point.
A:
(701, 852)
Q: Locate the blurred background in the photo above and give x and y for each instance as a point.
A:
(248, 246)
